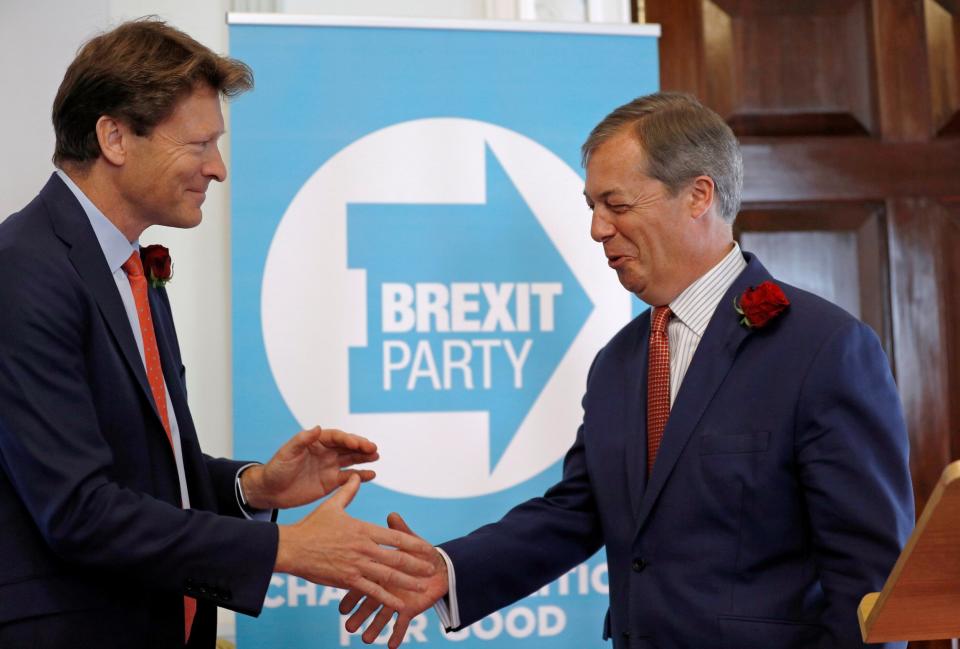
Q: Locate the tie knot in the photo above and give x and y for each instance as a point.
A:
(133, 266)
(661, 315)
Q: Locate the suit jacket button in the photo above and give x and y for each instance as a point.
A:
(639, 565)
(626, 635)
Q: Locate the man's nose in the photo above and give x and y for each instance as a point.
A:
(214, 167)
(601, 228)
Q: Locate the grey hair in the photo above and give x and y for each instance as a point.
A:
(682, 139)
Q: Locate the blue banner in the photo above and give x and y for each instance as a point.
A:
(412, 262)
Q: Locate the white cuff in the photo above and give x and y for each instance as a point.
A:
(249, 512)
(447, 609)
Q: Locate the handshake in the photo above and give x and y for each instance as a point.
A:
(387, 571)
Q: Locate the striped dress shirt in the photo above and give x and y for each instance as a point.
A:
(692, 310)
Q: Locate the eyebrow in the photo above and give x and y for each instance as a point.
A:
(603, 195)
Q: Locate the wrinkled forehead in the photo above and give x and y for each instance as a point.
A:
(198, 112)
(616, 164)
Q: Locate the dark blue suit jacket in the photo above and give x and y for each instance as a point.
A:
(89, 494)
(780, 496)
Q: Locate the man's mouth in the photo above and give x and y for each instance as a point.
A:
(615, 261)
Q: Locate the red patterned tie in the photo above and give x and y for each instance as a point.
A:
(133, 267)
(658, 383)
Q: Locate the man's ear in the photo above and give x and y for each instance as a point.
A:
(114, 138)
(702, 190)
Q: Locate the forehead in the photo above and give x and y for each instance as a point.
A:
(616, 163)
(198, 112)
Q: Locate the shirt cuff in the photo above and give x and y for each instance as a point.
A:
(249, 512)
(447, 609)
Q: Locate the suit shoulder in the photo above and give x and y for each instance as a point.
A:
(813, 324)
(30, 229)
(34, 261)
(813, 312)
(626, 340)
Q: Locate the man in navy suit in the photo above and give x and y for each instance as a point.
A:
(116, 530)
(743, 455)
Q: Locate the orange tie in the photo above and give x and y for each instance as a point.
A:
(133, 267)
(658, 383)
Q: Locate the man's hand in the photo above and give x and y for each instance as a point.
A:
(415, 602)
(330, 547)
(307, 468)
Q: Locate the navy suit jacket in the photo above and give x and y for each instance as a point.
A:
(781, 493)
(89, 494)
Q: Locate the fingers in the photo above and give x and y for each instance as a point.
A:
(392, 578)
(376, 591)
(403, 563)
(373, 631)
(366, 475)
(395, 522)
(349, 601)
(360, 616)
(401, 541)
(399, 630)
(349, 458)
(333, 438)
(306, 437)
(346, 493)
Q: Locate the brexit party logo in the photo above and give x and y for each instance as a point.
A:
(433, 284)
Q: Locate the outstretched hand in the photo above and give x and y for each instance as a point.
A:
(308, 467)
(414, 602)
(330, 547)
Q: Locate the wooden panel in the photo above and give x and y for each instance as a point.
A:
(951, 280)
(681, 44)
(902, 75)
(823, 263)
(721, 82)
(943, 32)
(834, 169)
(789, 68)
(837, 251)
(920, 322)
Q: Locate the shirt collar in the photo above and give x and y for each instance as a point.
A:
(695, 305)
(116, 248)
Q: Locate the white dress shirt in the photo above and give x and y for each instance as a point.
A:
(692, 310)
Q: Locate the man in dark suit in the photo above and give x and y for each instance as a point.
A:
(742, 456)
(116, 530)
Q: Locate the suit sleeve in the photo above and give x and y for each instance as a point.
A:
(60, 465)
(852, 450)
(533, 544)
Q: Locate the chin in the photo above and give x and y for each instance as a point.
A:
(189, 220)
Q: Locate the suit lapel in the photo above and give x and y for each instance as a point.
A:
(71, 224)
(635, 396)
(166, 342)
(200, 495)
(712, 361)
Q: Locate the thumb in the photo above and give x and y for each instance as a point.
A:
(345, 494)
(396, 522)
